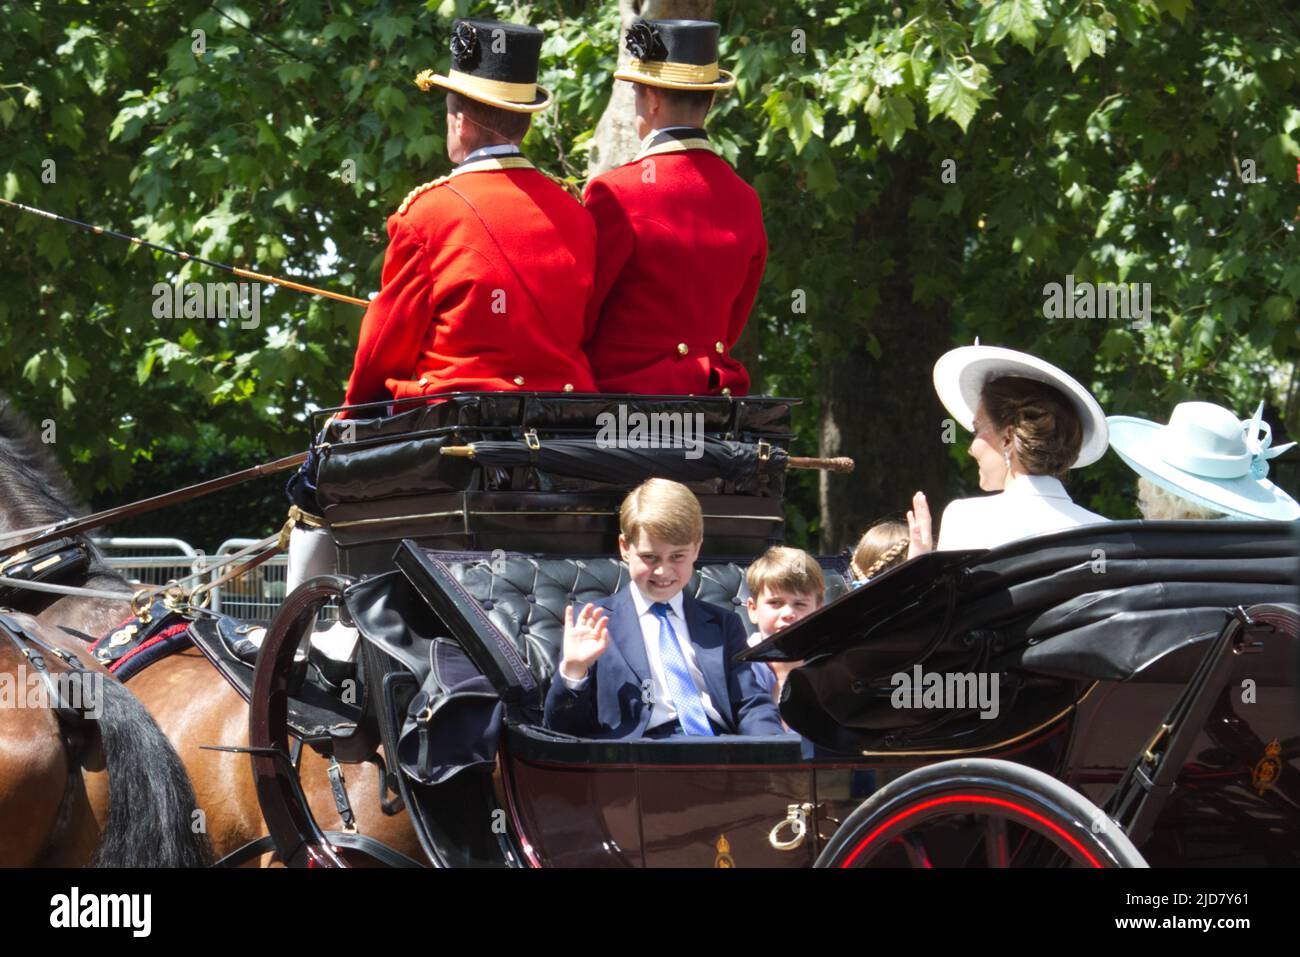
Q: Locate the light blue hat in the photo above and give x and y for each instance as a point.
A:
(1209, 457)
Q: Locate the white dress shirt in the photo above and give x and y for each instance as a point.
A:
(663, 710)
(1029, 505)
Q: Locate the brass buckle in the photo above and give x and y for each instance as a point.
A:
(141, 611)
(764, 450)
(205, 591)
(174, 597)
(534, 443)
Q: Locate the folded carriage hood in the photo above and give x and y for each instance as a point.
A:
(1098, 602)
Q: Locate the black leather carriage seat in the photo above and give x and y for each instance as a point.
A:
(524, 597)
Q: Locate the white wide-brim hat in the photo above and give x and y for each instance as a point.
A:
(1208, 456)
(959, 377)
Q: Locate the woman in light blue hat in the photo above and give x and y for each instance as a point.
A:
(1205, 463)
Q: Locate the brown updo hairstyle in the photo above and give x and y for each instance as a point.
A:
(1047, 432)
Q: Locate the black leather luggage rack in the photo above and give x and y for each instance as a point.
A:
(382, 480)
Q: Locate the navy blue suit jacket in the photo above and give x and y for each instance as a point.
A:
(610, 704)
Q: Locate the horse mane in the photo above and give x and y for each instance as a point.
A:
(34, 487)
(28, 467)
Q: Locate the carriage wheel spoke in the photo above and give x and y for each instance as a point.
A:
(917, 855)
(996, 851)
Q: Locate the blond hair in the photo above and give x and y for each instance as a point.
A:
(1159, 504)
(882, 546)
(667, 510)
(781, 568)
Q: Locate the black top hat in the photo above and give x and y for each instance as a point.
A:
(675, 55)
(494, 63)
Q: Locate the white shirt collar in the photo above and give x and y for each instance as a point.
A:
(483, 152)
(1044, 486)
(643, 603)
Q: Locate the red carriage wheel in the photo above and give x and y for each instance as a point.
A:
(978, 808)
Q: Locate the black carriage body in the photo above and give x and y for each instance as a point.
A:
(1090, 635)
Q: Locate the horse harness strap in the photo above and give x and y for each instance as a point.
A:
(34, 650)
(341, 802)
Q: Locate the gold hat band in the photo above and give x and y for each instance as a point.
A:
(676, 72)
(515, 92)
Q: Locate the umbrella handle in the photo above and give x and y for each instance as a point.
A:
(842, 464)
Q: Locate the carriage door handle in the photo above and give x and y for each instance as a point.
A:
(797, 819)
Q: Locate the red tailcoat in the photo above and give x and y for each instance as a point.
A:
(485, 286)
(679, 262)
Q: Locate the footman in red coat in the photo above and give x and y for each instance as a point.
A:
(681, 245)
(489, 270)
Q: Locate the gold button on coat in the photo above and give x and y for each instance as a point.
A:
(682, 348)
(519, 380)
(726, 392)
(568, 387)
(719, 346)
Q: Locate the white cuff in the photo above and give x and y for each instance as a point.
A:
(574, 685)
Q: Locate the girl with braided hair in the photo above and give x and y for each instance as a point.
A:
(881, 547)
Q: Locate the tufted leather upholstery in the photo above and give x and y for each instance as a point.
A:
(525, 597)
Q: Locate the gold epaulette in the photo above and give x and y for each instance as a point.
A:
(564, 184)
(419, 191)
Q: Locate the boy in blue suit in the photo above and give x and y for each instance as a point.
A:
(650, 661)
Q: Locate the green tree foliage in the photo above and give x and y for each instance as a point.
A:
(1111, 140)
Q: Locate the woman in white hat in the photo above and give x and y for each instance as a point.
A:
(1205, 463)
(1032, 424)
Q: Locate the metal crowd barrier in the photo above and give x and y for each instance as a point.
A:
(252, 597)
(150, 561)
(255, 595)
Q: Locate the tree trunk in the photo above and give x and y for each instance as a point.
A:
(883, 412)
(616, 141)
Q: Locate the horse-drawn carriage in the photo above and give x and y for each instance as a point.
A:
(1106, 696)
(1110, 695)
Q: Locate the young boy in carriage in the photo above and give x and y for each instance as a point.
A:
(785, 585)
(652, 661)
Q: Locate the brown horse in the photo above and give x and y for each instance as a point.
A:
(102, 787)
(187, 697)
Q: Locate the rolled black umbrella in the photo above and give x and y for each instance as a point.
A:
(625, 462)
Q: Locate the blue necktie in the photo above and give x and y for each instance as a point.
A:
(686, 697)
